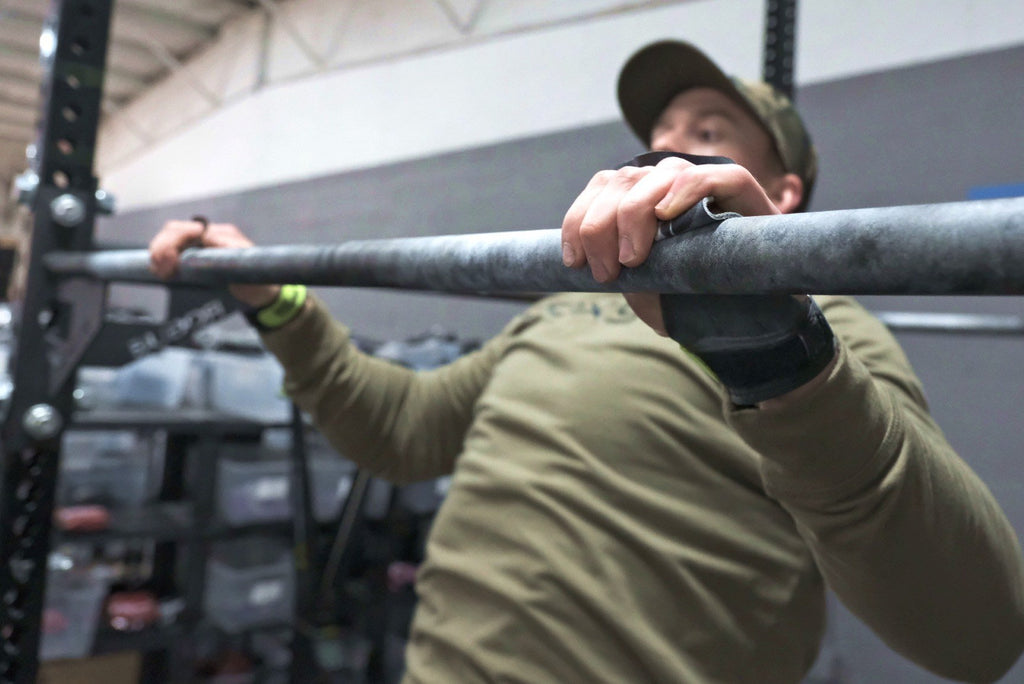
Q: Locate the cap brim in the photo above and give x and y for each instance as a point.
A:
(659, 72)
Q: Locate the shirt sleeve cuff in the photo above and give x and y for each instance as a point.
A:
(829, 442)
(311, 333)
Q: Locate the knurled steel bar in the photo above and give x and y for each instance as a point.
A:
(974, 247)
(64, 208)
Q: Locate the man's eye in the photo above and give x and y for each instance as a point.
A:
(708, 135)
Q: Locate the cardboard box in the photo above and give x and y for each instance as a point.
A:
(113, 668)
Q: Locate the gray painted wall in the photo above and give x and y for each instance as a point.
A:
(923, 134)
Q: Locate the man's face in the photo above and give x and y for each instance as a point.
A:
(706, 121)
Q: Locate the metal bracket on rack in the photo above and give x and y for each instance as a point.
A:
(80, 303)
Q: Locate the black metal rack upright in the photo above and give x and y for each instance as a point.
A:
(61, 323)
(56, 322)
(778, 58)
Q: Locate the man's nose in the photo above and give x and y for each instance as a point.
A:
(667, 141)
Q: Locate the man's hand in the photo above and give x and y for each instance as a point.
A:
(166, 247)
(614, 221)
(760, 347)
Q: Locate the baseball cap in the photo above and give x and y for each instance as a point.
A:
(660, 71)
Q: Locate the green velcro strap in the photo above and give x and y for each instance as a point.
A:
(283, 309)
(700, 362)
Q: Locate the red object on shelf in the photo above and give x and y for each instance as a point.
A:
(130, 611)
(84, 518)
(54, 621)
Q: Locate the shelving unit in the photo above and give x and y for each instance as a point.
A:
(182, 523)
(184, 520)
(187, 521)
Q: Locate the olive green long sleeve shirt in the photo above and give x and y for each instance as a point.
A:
(613, 518)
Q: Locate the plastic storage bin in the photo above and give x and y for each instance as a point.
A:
(331, 475)
(96, 388)
(424, 498)
(71, 612)
(250, 492)
(330, 483)
(247, 385)
(158, 380)
(115, 468)
(377, 503)
(250, 582)
(423, 352)
(258, 491)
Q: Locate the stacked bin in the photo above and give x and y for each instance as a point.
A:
(250, 582)
(74, 598)
(255, 486)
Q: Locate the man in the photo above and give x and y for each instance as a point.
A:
(623, 510)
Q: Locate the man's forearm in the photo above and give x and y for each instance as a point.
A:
(905, 533)
(372, 411)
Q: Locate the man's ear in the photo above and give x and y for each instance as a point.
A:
(786, 192)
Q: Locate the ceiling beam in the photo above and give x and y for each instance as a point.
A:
(12, 77)
(9, 100)
(176, 66)
(13, 143)
(19, 54)
(29, 57)
(124, 10)
(26, 25)
(21, 132)
(464, 25)
(25, 8)
(273, 9)
(113, 110)
(20, 26)
(20, 116)
(18, 90)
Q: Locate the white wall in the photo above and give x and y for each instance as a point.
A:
(368, 83)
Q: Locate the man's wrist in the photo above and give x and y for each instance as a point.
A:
(288, 303)
(804, 390)
(765, 370)
(255, 296)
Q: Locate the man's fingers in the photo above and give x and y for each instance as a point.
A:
(732, 186)
(175, 236)
(572, 247)
(614, 221)
(225, 235)
(166, 245)
(636, 219)
(599, 229)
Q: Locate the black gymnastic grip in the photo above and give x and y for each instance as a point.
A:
(700, 215)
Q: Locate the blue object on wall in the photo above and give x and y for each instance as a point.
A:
(996, 191)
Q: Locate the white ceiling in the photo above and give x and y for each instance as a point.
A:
(149, 40)
(157, 41)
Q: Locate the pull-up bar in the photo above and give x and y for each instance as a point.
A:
(974, 247)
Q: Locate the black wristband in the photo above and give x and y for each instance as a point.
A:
(756, 374)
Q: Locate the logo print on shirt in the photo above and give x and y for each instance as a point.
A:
(606, 310)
